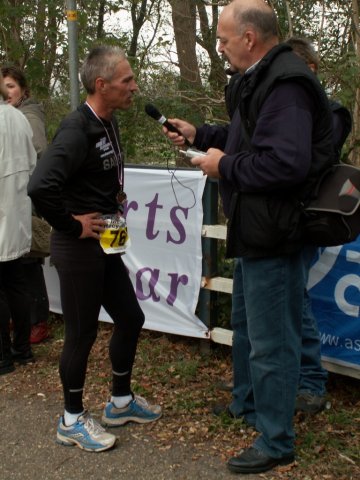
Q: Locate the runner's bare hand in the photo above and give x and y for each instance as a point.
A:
(92, 225)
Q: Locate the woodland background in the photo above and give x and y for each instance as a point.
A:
(172, 48)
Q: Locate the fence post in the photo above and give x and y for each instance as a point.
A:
(208, 299)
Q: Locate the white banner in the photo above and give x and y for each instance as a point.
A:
(164, 216)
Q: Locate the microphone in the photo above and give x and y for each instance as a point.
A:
(153, 112)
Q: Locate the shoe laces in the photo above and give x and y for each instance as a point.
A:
(145, 404)
(92, 426)
(141, 401)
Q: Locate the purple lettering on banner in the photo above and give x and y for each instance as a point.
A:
(175, 280)
(153, 206)
(130, 206)
(178, 225)
(154, 277)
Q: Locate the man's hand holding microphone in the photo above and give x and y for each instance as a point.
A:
(182, 133)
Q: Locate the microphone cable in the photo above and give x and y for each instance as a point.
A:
(174, 178)
(154, 113)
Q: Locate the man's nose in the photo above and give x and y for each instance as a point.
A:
(134, 87)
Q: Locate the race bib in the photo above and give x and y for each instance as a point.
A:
(115, 238)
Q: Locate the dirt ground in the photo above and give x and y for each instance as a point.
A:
(28, 450)
(188, 443)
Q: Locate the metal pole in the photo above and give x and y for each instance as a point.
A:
(71, 14)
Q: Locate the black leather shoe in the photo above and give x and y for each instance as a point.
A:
(252, 460)
(22, 357)
(226, 386)
(223, 410)
(310, 403)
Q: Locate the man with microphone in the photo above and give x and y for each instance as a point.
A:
(266, 160)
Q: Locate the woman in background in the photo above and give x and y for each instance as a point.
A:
(19, 97)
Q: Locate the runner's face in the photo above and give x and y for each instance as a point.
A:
(119, 91)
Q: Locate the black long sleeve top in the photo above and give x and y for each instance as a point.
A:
(80, 172)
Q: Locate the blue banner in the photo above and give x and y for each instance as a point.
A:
(334, 287)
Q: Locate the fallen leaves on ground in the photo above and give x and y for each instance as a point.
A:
(174, 372)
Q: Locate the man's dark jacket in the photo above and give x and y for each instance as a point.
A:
(264, 205)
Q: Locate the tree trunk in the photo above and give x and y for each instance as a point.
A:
(52, 38)
(354, 155)
(100, 23)
(13, 46)
(217, 76)
(184, 22)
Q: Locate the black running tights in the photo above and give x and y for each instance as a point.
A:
(88, 279)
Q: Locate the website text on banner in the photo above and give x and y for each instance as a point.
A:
(164, 216)
(334, 287)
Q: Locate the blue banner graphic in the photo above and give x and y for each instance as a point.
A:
(334, 287)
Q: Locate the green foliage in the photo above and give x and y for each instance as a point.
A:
(36, 38)
(55, 110)
(142, 136)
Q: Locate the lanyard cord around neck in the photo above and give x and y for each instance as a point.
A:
(118, 156)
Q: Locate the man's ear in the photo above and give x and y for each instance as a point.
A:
(100, 85)
(250, 39)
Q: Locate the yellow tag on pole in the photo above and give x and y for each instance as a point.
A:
(71, 15)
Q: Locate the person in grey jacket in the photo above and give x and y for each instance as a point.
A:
(19, 97)
(17, 160)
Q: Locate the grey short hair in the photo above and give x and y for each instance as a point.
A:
(263, 20)
(100, 62)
